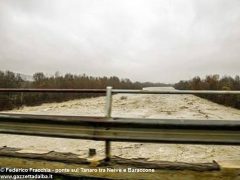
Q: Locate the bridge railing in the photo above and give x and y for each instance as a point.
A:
(108, 128)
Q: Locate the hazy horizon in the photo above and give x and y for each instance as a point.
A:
(30, 76)
(143, 40)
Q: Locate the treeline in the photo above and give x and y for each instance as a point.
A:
(68, 81)
(214, 82)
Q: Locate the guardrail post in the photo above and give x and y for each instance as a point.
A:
(108, 115)
(108, 102)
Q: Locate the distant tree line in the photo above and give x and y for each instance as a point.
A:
(68, 81)
(214, 82)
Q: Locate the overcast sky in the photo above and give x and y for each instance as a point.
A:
(144, 40)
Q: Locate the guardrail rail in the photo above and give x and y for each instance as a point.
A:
(108, 128)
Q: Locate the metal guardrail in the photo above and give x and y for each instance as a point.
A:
(222, 132)
(12, 90)
(128, 91)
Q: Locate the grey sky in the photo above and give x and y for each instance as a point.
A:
(145, 40)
